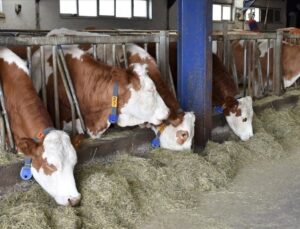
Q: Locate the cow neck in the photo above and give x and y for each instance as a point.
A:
(27, 114)
(176, 114)
(95, 89)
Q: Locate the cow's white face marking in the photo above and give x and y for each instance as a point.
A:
(290, 82)
(144, 105)
(59, 152)
(263, 47)
(242, 125)
(171, 137)
(10, 57)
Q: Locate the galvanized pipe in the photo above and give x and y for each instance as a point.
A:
(43, 76)
(125, 55)
(268, 68)
(55, 87)
(250, 69)
(245, 68)
(3, 134)
(95, 51)
(259, 72)
(146, 47)
(104, 54)
(72, 90)
(234, 71)
(114, 55)
(6, 119)
(277, 63)
(69, 96)
(157, 54)
(29, 60)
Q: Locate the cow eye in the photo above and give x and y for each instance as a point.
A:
(244, 119)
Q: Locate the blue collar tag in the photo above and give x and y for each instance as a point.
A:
(26, 173)
(218, 109)
(155, 143)
(113, 117)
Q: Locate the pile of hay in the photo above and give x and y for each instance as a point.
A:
(7, 158)
(121, 193)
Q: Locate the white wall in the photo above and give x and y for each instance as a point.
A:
(238, 24)
(25, 20)
(50, 18)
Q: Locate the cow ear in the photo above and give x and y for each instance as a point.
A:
(29, 147)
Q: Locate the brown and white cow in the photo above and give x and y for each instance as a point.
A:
(178, 133)
(53, 156)
(138, 99)
(238, 112)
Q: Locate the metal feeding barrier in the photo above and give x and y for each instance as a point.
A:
(115, 41)
(254, 79)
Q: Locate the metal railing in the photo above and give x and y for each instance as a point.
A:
(116, 39)
(259, 77)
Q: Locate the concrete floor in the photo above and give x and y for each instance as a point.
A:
(263, 195)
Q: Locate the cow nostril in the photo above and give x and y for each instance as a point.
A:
(74, 201)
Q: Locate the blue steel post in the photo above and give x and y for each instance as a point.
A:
(195, 64)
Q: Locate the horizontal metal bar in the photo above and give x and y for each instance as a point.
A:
(246, 36)
(291, 36)
(67, 40)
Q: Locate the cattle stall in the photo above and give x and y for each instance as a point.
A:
(109, 42)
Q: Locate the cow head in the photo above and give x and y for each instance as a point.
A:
(178, 137)
(53, 162)
(239, 117)
(144, 104)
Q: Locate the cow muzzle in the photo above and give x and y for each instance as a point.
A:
(74, 201)
(182, 136)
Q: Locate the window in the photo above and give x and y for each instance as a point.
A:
(68, 6)
(123, 8)
(221, 12)
(87, 8)
(274, 15)
(107, 7)
(112, 8)
(255, 11)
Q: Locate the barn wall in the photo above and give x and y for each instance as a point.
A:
(280, 4)
(25, 20)
(50, 18)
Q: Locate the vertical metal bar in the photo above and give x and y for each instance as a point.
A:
(104, 53)
(277, 62)
(164, 55)
(268, 68)
(29, 60)
(55, 87)
(146, 47)
(234, 71)
(195, 64)
(255, 83)
(3, 133)
(225, 47)
(6, 119)
(157, 54)
(261, 83)
(63, 77)
(245, 67)
(43, 76)
(95, 51)
(125, 55)
(72, 90)
(114, 54)
(249, 68)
